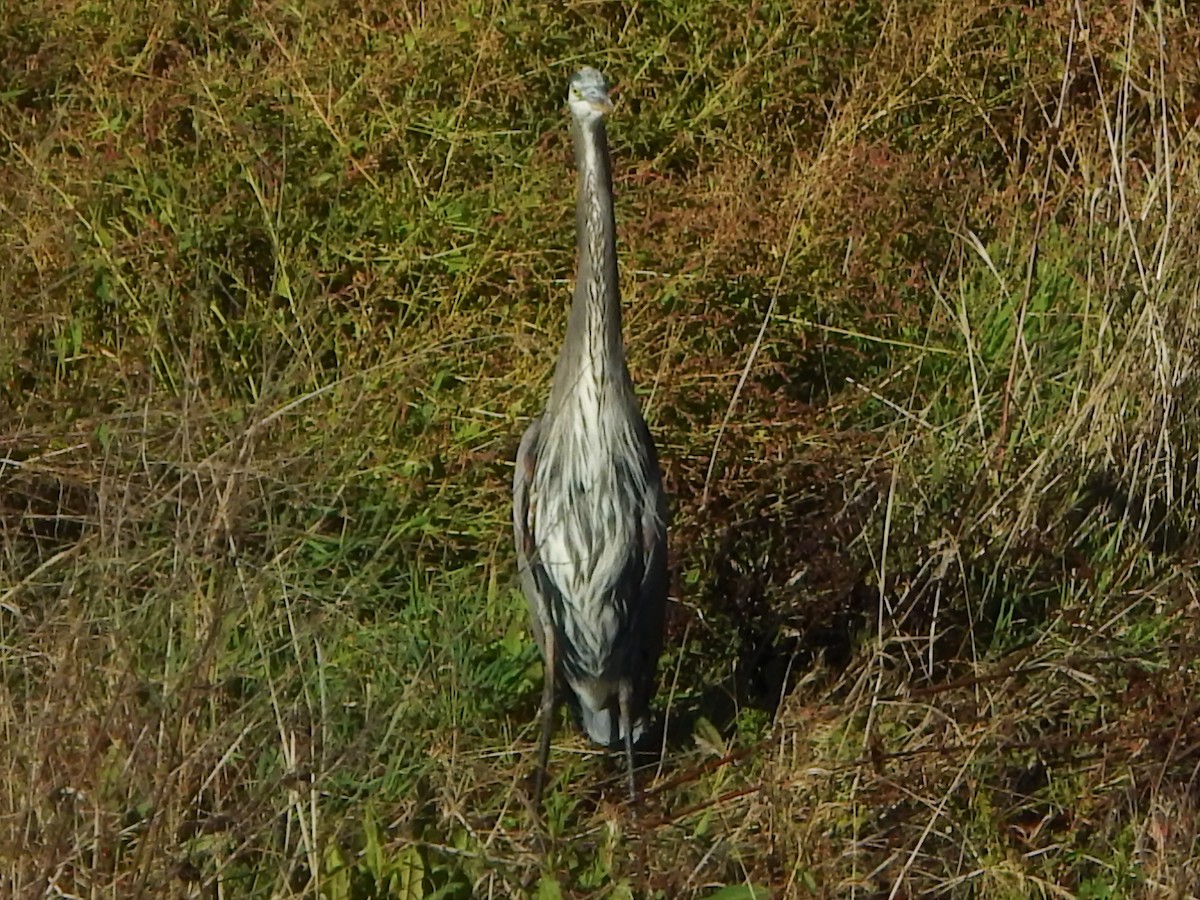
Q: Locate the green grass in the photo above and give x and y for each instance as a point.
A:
(282, 285)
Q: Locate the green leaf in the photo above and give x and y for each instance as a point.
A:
(336, 882)
(407, 881)
(374, 848)
(549, 888)
(740, 892)
(708, 737)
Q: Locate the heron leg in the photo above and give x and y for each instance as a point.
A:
(547, 716)
(625, 701)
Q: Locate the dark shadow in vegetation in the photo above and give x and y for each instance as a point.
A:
(943, 618)
(1164, 526)
(781, 589)
(42, 512)
(983, 595)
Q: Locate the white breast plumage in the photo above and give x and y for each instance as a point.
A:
(581, 537)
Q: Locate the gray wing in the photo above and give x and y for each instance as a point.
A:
(648, 612)
(524, 510)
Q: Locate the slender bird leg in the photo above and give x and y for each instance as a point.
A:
(547, 714)
(625, 700)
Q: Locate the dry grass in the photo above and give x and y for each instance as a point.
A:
(912, 298)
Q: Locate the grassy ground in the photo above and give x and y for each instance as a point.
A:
(911, 295)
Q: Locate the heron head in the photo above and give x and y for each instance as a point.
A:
(588, 95)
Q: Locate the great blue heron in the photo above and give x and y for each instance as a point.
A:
(589, 511)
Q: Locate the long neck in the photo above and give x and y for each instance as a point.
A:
(593, 350)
